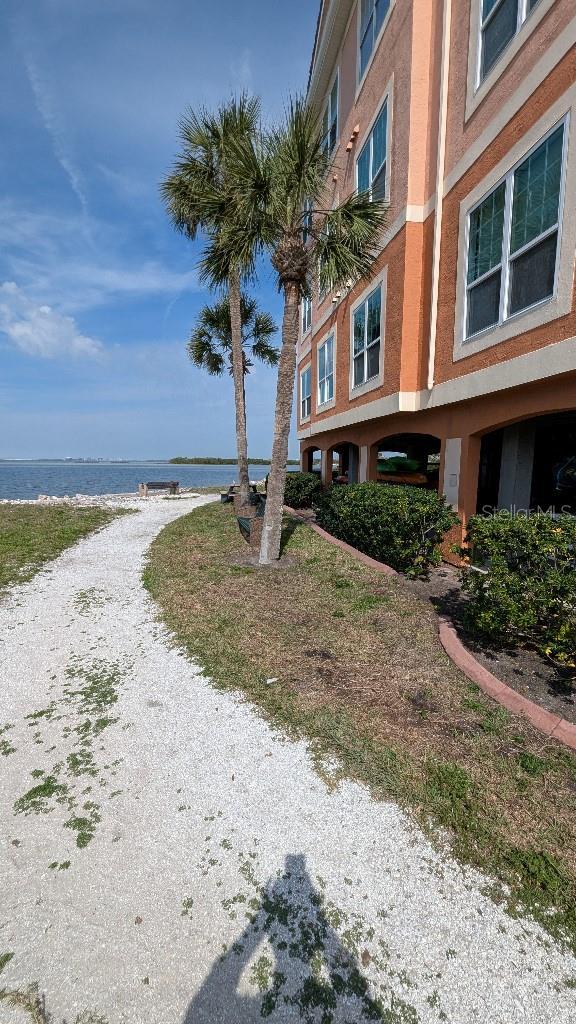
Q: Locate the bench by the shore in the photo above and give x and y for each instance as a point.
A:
(173, 486)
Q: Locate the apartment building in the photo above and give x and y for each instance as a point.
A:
(454, 365)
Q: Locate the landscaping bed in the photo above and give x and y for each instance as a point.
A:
(31, 535)
(332, 651)
(523, 669)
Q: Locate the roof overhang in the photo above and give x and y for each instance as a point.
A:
(329, 34)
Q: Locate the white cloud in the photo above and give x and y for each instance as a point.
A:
(46, 254)
(54, 126)
(39, 330)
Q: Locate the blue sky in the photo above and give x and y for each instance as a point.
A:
(97, 292)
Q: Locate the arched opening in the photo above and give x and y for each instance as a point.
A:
(408, 459)
(311, 460)
(529, 465)
(344, 463)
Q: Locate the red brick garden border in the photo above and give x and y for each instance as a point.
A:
(551, 725)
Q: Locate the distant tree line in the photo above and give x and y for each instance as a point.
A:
(206, 460)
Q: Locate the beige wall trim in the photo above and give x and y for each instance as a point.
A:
(526, 369)
(551, 57)
(475, 92)
(541, 364)
(440, 170)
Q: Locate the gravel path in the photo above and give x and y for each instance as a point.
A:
(167, 859)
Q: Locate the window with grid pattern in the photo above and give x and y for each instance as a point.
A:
(372, 14)
(305, 393)
(500, 20)
(330, 120)
(513, 239)
(366, 337)
(371, 163)
(326, 371)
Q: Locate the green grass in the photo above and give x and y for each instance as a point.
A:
(31, 535)
(362, 675)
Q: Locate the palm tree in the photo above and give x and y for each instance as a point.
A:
(210, 345)
(207, 139)
(282, 208)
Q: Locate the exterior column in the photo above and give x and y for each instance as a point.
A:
(460, 463)
(451, 470)
(516, 467)
(326, 467)
(363, 464)
(303, 461)
(352, 464)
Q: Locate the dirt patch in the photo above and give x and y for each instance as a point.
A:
(521, 668)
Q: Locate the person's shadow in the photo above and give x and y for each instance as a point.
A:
(303, 972)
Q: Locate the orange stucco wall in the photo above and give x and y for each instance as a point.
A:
(409, 55)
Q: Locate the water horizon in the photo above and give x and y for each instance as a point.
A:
(25, 479)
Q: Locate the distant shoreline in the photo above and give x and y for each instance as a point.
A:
(182, 460)
(179, 460)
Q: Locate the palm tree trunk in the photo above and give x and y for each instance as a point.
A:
(272, 526)
(238, 375)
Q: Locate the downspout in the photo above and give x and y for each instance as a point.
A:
(440, 166)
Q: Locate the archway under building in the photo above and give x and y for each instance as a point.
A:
(311, 460)
(529, 465)
(409, 459)
(344, 463)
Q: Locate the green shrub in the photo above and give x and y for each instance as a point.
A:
(401, 526)
(302, 489)
(526, 592)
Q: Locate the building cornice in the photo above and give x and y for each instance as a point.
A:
(327, 46)
(541, 364)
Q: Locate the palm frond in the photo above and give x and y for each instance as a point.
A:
(203, 353)
(349, 240)
(210, 345)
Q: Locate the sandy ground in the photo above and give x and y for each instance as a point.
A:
(166, 858)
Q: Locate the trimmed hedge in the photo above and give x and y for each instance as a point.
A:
(401, 526)
(527, 593)
(302, 489)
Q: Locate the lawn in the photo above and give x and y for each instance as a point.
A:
(31, 535)
(333, 652)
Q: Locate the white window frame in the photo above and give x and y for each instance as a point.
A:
(560, 305)
(327, 402)
(327, 110)
(523, 13)
(305, 409)
(379, 282)
(507, 260)
(306, 314)
(369, 141)
(361, 75)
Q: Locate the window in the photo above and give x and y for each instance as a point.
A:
(306, 308)
(513, 238)
(371, 164)
(330, 119)
(305, 393)
(500, 21)
(307, 213)
(372, 14)
(326, 371)
(366, 338)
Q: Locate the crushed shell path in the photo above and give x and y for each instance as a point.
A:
(167, 858)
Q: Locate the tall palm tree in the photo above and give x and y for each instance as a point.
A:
(210, 345)
(202, 166)
(283, 208)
